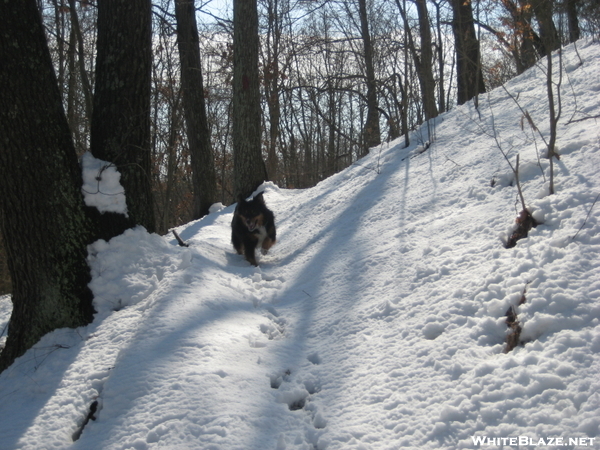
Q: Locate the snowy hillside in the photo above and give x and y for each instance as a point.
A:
(376, 322)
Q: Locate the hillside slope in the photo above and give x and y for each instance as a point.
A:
(376, 322)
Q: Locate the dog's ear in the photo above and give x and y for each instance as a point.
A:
(260, 198)
(240, 198)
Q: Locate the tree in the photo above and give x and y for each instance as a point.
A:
(543, 10)
(573, 21)
(44, 224)
(248, 166)
(468, 60)
(273, 73)
(372, 133)
(424, 59)
(551, 42)
(203, 165)
(77, 41)
(120, 130)
(440, 56)
(525, 42)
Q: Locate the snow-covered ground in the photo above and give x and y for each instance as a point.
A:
(376, 322)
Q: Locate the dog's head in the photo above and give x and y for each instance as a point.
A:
(251, 211)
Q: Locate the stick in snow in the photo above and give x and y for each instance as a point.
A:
(179, 240)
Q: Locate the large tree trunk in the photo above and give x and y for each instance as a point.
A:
(527, 45)
(372, 133)
(543, 10)
(573, 20)
(44, 225)
(441, 59)
(85, 82)
(468, 61)
(426, 70)
(424, 59)
(203, 165)
(272, 90)
(120, 131)
(248, 166)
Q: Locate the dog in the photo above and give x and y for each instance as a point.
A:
(253, 226)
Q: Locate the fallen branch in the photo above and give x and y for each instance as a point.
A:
(584, 118)
(179, 240)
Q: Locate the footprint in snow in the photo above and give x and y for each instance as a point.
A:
(314, 358)
(297, 394)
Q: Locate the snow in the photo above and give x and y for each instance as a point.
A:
(376, 322)
(101, 185)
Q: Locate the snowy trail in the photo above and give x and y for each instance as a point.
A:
(376, 322)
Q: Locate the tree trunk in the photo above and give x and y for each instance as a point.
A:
(85, 82)
(272, 91)
(441, 60)
(72, 90)
(202, 159)
(426, 69)
(468, 61)
(44, 225)
(527, 42)
(424, 60)
(574, 31)
(543, 10)
(372, 133)
(172, 144)
(248, 165)
(331, 153)
(120, 131)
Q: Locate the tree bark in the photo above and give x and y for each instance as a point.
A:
(468, 61)
(44, 225)
(426, 69)
(248, 166)
(120, 130)
(441, 60)
(85, 82)
(543, 10)
(202, 159)
(372, 132)
(574, 31)
(526, 41)
(424, 60)
(272, 89)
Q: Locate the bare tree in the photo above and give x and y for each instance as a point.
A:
(248, 165)
(525, 43)
(44, 224)
(372, 134)
(423, 59)
(78, 71)
(468, 60)
(544, 10)
(120, 131)
(273, 56)
(203, 166)
(573, 19)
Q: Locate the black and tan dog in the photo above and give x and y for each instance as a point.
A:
(253, 226)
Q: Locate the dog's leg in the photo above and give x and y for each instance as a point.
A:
(249, 254)
(267, 244)
(270, 238)
(237, 244)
